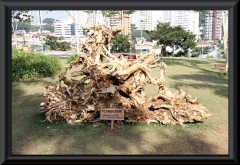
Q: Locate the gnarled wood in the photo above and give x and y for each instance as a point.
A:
(116, 83)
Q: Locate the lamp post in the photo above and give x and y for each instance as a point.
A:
(40, 22)
(201, 36)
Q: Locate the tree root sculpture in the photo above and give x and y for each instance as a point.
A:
(117, 83)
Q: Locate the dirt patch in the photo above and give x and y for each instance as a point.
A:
(113, 131)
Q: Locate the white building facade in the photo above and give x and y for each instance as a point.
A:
(65, 29)
(144, 20)
(187, 19)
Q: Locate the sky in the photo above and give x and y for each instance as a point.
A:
(57, 14)
(62, 14)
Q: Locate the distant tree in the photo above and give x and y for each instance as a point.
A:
(206, 50)
(48, 27)
(48, 20)
(63, 46)
(221, 46)
(19, 16)
(54, 43)
(133, 49)
(175, 37)
(195, 52)
(137, 33)
(119, 43)
(23, 26)
(35, 28)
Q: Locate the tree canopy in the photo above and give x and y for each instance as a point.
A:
(54, 44)
(21, 16)
(23, 26)
(48, 27)
(175, 37)
(119, 43)
(48, 20)
(137, 33)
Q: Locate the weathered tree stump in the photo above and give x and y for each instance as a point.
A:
(117, 83)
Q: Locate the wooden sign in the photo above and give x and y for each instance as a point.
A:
(111, 114)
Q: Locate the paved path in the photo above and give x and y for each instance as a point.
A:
(63, 54)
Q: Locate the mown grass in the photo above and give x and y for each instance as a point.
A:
(30, 135)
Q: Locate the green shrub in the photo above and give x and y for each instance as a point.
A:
(30, 65)
(72, 58)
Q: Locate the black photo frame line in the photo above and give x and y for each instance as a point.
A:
(5, 76)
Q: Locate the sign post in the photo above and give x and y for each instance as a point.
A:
(112, 123)
(112, 114)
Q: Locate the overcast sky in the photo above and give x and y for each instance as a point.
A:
(62, 14)
(57, 14)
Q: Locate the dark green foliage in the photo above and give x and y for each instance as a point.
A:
(137, 33)
(54, 44)
(52, 41)
(48, 20)
(221, 46)
(72, 58)
(23, 26)
(63, 46)
(48, 27)
(205, 49)
(195, 52)
(133, 50)
(175, 37)
(26, 65)
(119, 43)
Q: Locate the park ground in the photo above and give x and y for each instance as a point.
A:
(32, 136)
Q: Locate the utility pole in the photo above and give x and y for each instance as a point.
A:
(123, 21)
(94, 17)
(141, 19)
(40, 21)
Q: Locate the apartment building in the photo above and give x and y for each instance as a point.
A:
(187, 19)
(144, 20)
(123, 20)
(213, 24)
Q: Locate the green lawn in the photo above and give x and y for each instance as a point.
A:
(30, 135)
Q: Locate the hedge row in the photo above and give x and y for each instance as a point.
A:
(30, 65)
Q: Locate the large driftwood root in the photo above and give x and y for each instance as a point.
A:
(116, 83)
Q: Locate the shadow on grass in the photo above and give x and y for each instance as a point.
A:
(193, 60)
(202, 64)
(32, 136)
(203, 80)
